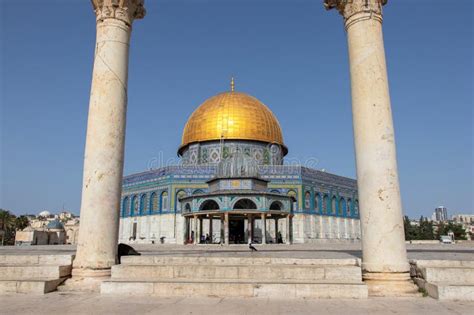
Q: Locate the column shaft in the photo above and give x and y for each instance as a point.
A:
(276, 230)
(226, 228)
(104, 151)
(250, 228)
(381, 215)
(384, 258)
(201, 232)
(210, 229)
(222, 240)
(264, 228)
(195, 229)
(288, 230)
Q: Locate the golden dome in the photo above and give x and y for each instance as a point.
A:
(232, 115)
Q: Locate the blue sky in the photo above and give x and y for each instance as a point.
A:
(291, 54)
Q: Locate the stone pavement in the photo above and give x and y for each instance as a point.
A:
(79, 303)
(460, 251)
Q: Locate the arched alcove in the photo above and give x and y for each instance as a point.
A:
(245, 204)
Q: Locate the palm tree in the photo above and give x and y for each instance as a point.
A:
(7, 223)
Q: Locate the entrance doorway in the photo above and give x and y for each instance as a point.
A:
(236, 231)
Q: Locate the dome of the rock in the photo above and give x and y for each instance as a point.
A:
(232, 116)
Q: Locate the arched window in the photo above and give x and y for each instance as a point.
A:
(333, 205)
(126, 207)
(179, 195)
(153, 202)
(209, 205)
(134, 209)
(276, 205)
(325, 204)
(292, 194)
(317, 203)
(307, 200)
(164, 201)
(348, 207)
(342, 206)
(142, 204)
(245, 204)
(356, 207)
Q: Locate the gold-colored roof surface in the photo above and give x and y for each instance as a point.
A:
(232, 115)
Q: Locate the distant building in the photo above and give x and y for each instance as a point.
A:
(52, 234)
(64, 216)
(49, 229)
(440, 214)
(72, 230)
(464, 218)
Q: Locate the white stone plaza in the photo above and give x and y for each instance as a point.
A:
(298, 271)
(58, 303)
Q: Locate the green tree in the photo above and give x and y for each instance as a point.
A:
(441, 230)
(21, 222)
(410, 230)
(457, 229)
(426, 231)
(7, 225)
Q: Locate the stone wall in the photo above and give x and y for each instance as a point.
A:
(306, 228)
(151, 228)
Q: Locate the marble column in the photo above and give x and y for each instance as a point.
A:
(210, 229)
(276, 230)
(384, 258)
(250, 228)
(222, 239)
(195, 229)
(288, 230)
(186, 230)
(264, 228)
(226, 228)
(201, 232)
(104, 150)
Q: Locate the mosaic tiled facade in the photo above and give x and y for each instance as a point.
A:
(154, 203)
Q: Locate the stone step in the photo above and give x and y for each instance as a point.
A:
(32, 286)
(210, 260)
(447, 291)
(453, 275)
(255, 272)
(36, 259)
(236, 288)
(442, 263)
(25, 272)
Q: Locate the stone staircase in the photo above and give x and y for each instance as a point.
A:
(33, 274)
(236, 277)
(445, 279)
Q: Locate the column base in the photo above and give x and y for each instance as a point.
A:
(85, 280)
(390, 284)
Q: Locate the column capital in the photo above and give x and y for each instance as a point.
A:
(123, 10)
(349, 8)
